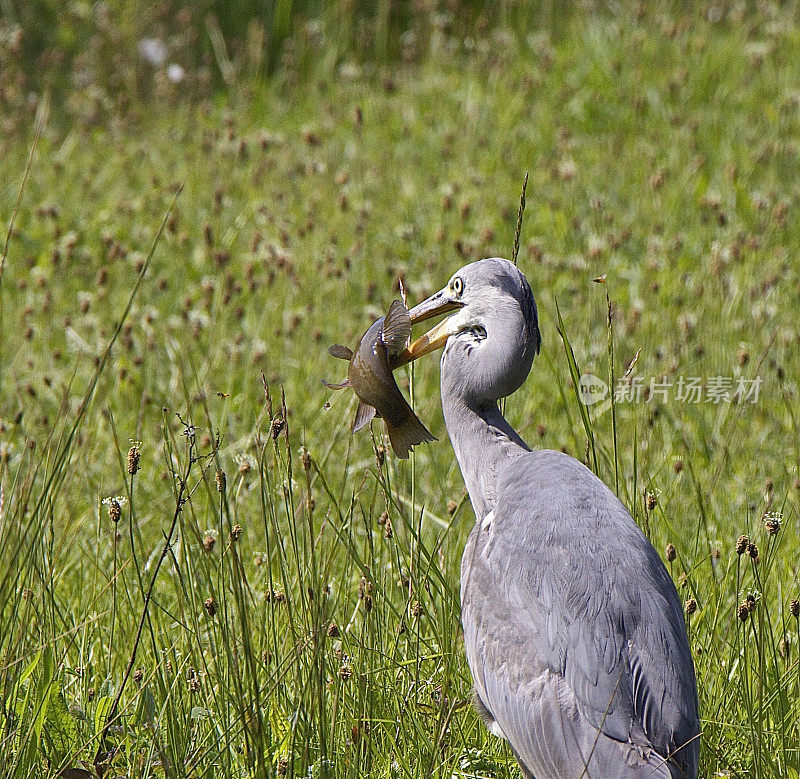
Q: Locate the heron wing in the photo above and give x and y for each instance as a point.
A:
(573, 628)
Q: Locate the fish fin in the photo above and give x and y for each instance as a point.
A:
(396, 328)
(364, 416)
(408, 433)
(345, 383)
(342, 352)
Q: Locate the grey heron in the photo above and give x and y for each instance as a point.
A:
(573, 628)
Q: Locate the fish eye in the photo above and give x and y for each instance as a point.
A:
(458, 285)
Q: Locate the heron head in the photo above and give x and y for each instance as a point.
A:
(491, 335)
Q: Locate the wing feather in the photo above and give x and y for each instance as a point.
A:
(574, 631)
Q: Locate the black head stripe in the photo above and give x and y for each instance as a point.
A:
(529, 312)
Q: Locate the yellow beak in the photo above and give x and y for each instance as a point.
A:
(437, 336)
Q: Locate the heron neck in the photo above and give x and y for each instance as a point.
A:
(483, 442)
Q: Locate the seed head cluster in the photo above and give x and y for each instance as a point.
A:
(115, 505)
(772, 523)
(345, 671)
(276, 426)
(134, 455)
(365, 589)
(193, 680)
(741, 544)
(221, 480)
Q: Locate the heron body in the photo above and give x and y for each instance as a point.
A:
(573, 629)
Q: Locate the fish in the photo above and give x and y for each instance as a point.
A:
(369, 374)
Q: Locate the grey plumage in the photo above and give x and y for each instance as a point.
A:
(573, 629)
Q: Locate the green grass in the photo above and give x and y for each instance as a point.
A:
(662, 152)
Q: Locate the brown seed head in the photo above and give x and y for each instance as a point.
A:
(743, 612)
(276, 426)
(388, 530)
(210, 605)
(276, 596)
(690, 606)
(794, 608)
(134, 454)
(380, 454)
(677, 466)
(333, 630)
(114, 510)
(283, 766)
(784, 647)
(208, 543)
(383, 517)
(138, 675)
(651, 501)
(236, 532)
(772, 524)
(742, 543)
(345, 671)
(752, 552)
(451, 507)
(670, 552)
(221, 480)
(416, 609)
(305, 458)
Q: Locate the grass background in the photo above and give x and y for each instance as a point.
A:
(662, 147)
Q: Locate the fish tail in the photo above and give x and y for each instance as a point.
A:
(407, 433)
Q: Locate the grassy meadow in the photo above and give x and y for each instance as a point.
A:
(202, 572)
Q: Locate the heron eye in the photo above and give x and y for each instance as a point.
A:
(458, 285)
